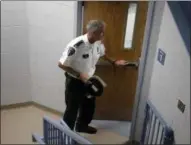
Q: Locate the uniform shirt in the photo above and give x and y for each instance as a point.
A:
(82, 56)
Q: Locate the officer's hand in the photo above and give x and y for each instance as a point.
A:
(120, 62)
(84, 77)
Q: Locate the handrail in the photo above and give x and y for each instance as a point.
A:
(37, 138)
(67, 131)
(155, 128)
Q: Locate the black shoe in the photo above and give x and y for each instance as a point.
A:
(87, 129)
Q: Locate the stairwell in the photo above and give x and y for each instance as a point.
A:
(18, 124)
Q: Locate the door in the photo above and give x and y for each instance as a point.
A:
(117, 101)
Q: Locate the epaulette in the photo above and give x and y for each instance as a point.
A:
(78, 43)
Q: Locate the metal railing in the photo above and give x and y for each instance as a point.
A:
(155, 129)
(58, 133)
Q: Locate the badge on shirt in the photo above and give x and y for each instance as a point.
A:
(71, 51)
(85, 56)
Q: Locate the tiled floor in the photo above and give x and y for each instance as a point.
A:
(17, 126)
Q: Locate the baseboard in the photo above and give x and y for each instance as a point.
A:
(16, 105)
(29, 103)
(47, 109)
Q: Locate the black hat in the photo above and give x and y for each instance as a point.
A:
(95, 86)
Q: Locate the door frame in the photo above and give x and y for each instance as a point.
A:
(143, 59)
(79, 18)
(142, 68)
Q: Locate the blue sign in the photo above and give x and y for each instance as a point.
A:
(161, 56)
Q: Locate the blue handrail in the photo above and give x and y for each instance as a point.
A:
(155, 129)
(58, 133)
(66, 131)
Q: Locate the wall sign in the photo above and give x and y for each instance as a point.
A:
(161, 56)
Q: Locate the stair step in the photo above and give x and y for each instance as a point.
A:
(105, 137)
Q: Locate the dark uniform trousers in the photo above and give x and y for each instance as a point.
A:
(77, 101)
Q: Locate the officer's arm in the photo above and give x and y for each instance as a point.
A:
(69, 69)
(121, 62)
(104, 56)
(109, 59)
(81, 76)
(66, 62)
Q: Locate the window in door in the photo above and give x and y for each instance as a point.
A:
(130, 24)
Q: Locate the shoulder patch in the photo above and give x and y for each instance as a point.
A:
(71, 51)
(78, 43)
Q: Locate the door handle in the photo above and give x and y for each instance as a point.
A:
(133, 63)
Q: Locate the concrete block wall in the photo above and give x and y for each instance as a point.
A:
(51, 27)
(15, 69)
(171, 82)
(34, 35)
(165, 84)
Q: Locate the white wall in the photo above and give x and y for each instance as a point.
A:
(172, 81)
(15, 70)
(51, 27)
(34, 35)
(147, 73)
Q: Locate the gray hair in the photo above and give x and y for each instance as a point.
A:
(95, 25)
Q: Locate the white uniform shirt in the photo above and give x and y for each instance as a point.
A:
(82, 56)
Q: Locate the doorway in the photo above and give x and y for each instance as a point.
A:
(125, 25)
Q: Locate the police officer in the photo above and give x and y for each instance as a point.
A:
(79, 62)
